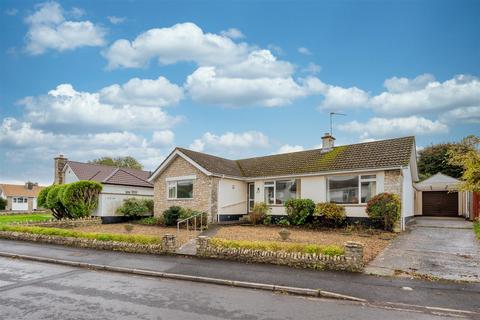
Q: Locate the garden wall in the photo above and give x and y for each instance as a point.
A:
(352, 260)
(63, 223)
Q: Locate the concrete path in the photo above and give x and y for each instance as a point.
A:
(445, 248)
(190, 247)
(386, 291)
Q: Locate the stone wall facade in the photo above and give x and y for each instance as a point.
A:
(352, 260)
(205, 189)
(393, 182)
(168, 243)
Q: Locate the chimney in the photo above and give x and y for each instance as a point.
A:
(29, 185)
(328, 142)
(60, 163)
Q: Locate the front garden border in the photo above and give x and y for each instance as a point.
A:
(352, 260)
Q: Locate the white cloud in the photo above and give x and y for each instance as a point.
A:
(143, 92)
(286, 148)
(339, 98)
(162, 138)
(48, 29)
(181, 42)
(304, 51)
(423, 95)
(312, 68)
(73, 109)
(231, 142)
(232, 33)
(206, 86)
(466, 115)
(77, 12)
(383, 128)
(116, 20)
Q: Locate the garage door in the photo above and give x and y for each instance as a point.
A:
(440, 203)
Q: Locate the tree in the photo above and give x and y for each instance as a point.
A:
(53, 201)
(3, 203)
(469, 160)
(80, 198)
(435, 158)
(122, 162)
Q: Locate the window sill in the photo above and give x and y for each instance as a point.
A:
(180, 199)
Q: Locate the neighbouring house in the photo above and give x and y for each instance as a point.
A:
(20, 197)
(440, 196)
(118, 183)
(348, 175)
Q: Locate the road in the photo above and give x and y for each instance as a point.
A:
(33, 290)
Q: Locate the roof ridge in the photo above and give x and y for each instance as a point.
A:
(104, 165)
(111, 174)
(122, 169)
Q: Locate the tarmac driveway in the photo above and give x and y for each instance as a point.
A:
(440, 247)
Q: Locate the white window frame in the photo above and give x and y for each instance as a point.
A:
(170, 182)
(359, 186)
(269, 184)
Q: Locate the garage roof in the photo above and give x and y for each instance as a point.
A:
(438, 182)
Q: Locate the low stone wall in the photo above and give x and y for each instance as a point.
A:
(14, 213)
(168, 244)
(63, 223)
(352, 260)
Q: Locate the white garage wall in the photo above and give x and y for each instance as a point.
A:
(69, 175)
(232, 196)
(112, 197)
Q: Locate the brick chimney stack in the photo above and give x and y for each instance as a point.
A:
(60, 163)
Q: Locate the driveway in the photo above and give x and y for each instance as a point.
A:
(440, 247)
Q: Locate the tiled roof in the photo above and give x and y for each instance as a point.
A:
(16, 190)
(369, 155)
(110, 174)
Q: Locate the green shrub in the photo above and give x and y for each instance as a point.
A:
(384, 210)
(171, 215)
(260, 210)
(134, 208)
(267, 221)
(330, 214)
(42, 197)
(152, 221)
(283, 222)
(134, 238)
(299, 210)
(331, 250)
(476, 228)
(3, 203)
(149, 204)
(54, 202)
(81, 197)
(188, 213)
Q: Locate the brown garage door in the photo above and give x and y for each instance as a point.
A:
(440, 203)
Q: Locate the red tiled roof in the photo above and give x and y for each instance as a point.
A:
(15, 190)
(110, 174)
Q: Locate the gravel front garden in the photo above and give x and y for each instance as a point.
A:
(374, 241)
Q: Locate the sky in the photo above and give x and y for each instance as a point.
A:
(233, 78)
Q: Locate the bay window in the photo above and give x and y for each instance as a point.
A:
(278, 192)
(181, 189)
(351, 189)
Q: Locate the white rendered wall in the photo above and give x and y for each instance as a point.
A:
(69, 175)
(232, 197)
(112, 196)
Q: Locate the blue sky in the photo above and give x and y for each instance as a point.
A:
(237, 79)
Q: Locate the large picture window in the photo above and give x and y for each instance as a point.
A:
(351, 189)
(182, 189)
(277, 192)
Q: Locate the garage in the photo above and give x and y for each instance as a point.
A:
(440, 203)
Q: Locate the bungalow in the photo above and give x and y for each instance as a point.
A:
(348, 175)
(118, 183)
(20, 197)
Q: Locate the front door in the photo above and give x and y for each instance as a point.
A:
(251, 196)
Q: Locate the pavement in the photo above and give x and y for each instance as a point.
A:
(33, 290)
(374, 289)
(444, 248)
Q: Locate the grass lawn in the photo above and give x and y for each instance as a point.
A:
(476, 227)
(14, 218)
(158, 231)
(373, 243)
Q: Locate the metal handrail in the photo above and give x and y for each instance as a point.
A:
(194, 222)
(234, 204)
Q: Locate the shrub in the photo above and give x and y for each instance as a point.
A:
(3, 203)
(330, 214)
(476, 228)
(134, 208)
(299, 210)
(81, 197)
(267, 221)
(188, 213)
(54, 202)
(283, 222)
(171, 215)
(149, 204)
(42, 197)
(384, 209)
(152, 221)
(259, 212)
(331, 250)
